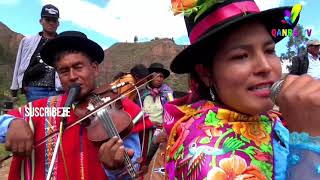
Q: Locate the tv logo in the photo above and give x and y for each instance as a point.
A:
(288, 32)
(290, 18)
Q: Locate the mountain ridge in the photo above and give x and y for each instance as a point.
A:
(119, 57)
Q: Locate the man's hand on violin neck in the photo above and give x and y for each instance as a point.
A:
(112, 153)
(19, 138)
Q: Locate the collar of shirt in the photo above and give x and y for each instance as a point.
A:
(310, 57)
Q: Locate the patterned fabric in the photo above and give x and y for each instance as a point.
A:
(50, 127)
(164, 92)
(80, 154)
(304, 157)
(38, 73)
(208, 142)
(153, 101)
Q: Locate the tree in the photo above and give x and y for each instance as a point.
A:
(282, 57)
(296, 43)
(135, 39)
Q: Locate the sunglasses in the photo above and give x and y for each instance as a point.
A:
(54, 20)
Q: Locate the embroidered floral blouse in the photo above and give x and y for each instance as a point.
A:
(207, 142)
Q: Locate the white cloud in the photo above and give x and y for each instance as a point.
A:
(123, 19)
(9, 2)
(303, 3)
(267, 4)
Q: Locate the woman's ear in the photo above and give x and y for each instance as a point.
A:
(204, 74)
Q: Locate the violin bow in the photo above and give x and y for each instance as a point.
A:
(137, 85)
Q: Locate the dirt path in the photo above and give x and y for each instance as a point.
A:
(4, 169)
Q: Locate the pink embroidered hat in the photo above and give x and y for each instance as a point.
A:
(207, 20)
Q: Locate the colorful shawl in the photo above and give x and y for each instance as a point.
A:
(207, 142)
(164, 92)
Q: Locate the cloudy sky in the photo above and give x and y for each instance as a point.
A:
(111, 21)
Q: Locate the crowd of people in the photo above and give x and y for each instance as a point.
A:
(224, 128)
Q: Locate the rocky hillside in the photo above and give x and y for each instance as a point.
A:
(122, 56)
(119, 58)
(9, 43)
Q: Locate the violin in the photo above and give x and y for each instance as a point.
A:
(119, 122)
(103, 115)
(108, 121)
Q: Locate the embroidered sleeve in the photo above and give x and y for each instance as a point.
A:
(304, 157)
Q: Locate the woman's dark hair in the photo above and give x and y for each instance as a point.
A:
(201, 91)
(119, 75)
(139, 71)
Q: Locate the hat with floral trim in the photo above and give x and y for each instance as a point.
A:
(207, 19)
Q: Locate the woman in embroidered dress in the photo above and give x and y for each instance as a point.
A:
(230, 132)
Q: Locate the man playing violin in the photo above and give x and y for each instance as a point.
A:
(76, 60)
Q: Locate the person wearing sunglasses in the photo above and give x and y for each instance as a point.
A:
(34, 77)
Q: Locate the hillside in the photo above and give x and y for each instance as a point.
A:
(119, 58)
(122, 56)
(9, 43)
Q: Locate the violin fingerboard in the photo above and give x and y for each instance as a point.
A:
(111, 130)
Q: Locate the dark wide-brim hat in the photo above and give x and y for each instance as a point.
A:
(158, 67)
(71, 40)
(205, 26)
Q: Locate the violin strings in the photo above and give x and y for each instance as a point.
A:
(153, 75)
(128, 163)
(44, 139)
(109, 125)
(111, 130)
